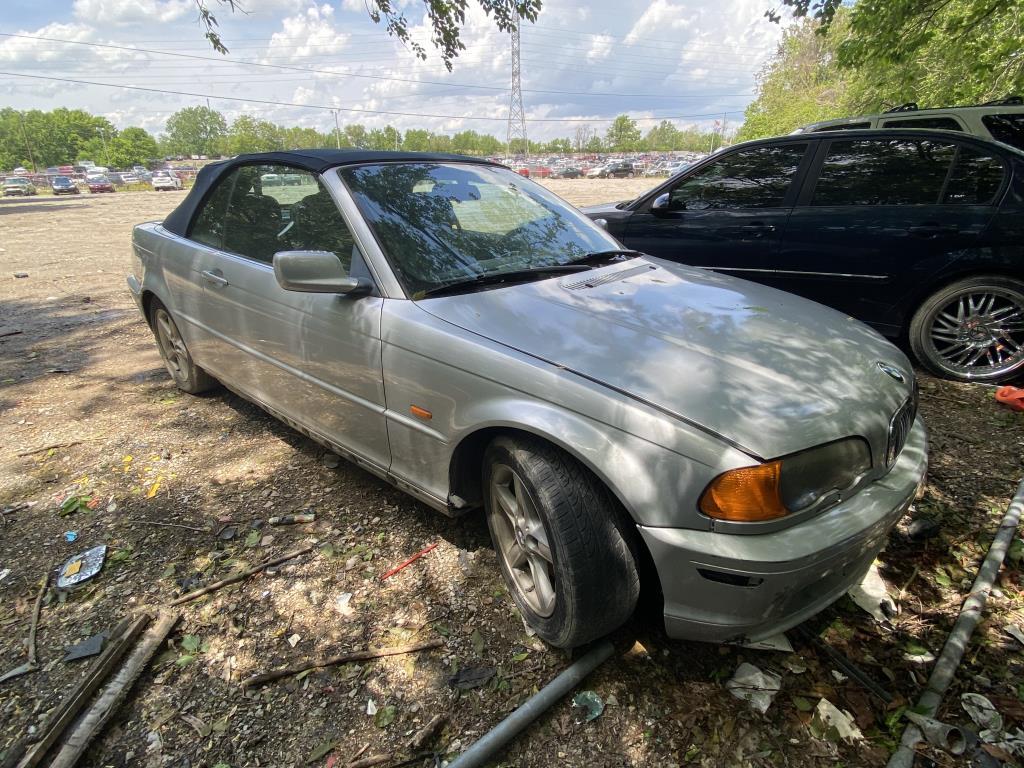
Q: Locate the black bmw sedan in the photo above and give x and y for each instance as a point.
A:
(919, 233)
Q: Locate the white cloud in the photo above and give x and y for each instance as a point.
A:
(600, 47)
(128, 12)
(307, 34)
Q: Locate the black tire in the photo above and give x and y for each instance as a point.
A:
(968, 318)
(187, 376)
(591, 542)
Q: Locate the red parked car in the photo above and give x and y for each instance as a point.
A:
(99, 184)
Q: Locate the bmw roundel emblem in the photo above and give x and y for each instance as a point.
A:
(892, 371)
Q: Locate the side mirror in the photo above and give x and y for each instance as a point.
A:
(602, 223)
(661, 204)
(316, 272)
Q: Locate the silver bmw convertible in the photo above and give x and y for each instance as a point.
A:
(468, 336)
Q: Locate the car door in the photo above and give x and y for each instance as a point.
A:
(727, 215)
(313, 358)
(880, 216)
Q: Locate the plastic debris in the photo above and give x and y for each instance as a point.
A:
(589, 705)
(830, 722)
(299, 517)
(343, 605)
(777, 642)
(983, 712)
(82, 567)
(795, 665)
(754, 686)
(938, 734)
(371, 707)
(91, 646)
(70, 536)
(469, 678)
(5, 573)
(408, 562)
(1015, 632)
(1011, 397)
(872, 595)
(294, 640)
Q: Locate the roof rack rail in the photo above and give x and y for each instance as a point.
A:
(910, 106)
(1009, 101)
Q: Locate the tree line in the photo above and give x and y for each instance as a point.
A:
(39, 139)
(844, 61)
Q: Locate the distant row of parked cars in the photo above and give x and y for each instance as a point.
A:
(93, 181)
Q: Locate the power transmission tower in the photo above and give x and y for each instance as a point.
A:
(516, 115)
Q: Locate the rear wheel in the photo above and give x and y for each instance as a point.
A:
(972, 330)
(564, 545)
(187, 376)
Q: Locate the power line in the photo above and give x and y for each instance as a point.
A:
(351, 109)
(351, 74)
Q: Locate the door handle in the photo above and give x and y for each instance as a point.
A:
(216, 277)
(757, 230)
(931, 230)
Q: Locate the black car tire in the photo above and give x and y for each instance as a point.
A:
(187, 376)
(933, 316)
(591, 542)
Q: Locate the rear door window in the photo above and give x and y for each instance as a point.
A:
(752, 178)
(975, 179)
(1008, 128)
(935, 123)
(884, 172)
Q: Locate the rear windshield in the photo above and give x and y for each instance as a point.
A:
(1008, 128)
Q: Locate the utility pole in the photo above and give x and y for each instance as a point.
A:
(28, 144)
(516, 115)
(337, 129)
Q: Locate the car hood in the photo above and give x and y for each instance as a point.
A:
(768, 372)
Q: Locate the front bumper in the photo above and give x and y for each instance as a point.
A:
(746, 587)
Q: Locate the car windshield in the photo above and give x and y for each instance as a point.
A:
(440, 224)
(17, 181)
(61, 180)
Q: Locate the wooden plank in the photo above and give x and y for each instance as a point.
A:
(103, 708)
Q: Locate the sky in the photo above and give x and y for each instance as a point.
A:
(583, 63)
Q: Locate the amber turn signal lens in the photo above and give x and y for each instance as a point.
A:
(745, 495)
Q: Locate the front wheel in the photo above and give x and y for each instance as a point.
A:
(188, 376)
(564, 545)
(972, 330)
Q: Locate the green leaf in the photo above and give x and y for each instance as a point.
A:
(190, 643)
(385, 716)
(327, 550)
(442, 629)
(478, 642)
(915, 648)
(802, 704)
(942, 578)
(184, 661)
(322, 750)
(252, 539)
(521, 656)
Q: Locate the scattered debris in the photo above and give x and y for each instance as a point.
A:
(70, 536)
(848, 668)
(872, 595)
(345, 658)
(385, 716)
(5, 573)
(751, 684)
(795, 665)
(371, 707)
(408, 562)
(91, 646)
(82, 567)
(983, 712)
(830, 722)
(1011, 397)
(590, 705)
(294, 640)
(1015, 632)
(299, 517)
(331, 460)
(239, 576)
(918, 654)
(33, 663)
(469, 678)
(427, 732)
(227, 533)
(21, 274)
(343, 605)
(946, 737)
(777, 642)
(52, 447)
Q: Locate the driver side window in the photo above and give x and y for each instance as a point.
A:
(258, 210)
(751, 178)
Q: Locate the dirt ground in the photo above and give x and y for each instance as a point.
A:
(100, 447)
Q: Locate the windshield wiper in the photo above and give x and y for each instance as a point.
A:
(613, 254)
(497, 278)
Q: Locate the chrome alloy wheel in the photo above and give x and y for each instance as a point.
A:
(521, 540)
(980, 333)
(173, 348)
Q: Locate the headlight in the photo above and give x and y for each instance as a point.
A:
(788, 485)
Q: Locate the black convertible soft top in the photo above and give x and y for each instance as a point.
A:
(314, 160)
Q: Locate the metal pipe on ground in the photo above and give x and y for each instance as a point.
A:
(483, 749)
(953, 651)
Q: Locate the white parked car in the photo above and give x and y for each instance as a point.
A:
(165, 181)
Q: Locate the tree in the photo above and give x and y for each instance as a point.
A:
(132, 146)
(195, 131)
(663, 137)
(416, 140)
(446, 20)
(955, 49)
(582, 135)
(249, 134)
(623, 134)
(384, 138)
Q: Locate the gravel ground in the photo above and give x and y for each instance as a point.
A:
(180, 489)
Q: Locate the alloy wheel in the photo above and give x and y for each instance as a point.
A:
(521, 540)
(980, 333)
(171, 344)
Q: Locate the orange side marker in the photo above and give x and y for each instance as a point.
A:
(420, 413)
